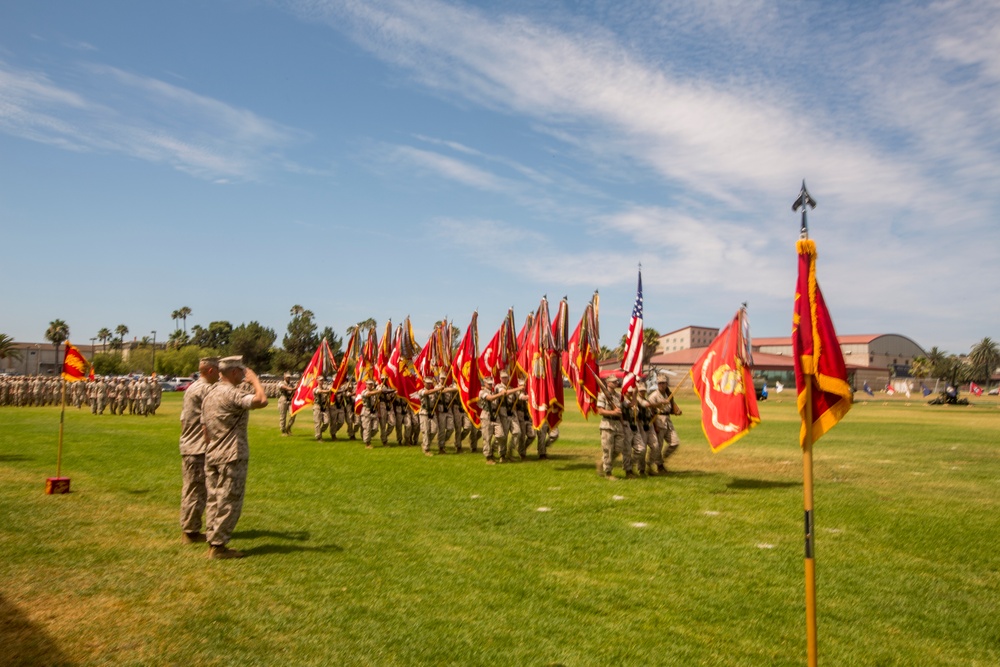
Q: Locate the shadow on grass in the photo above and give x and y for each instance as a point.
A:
(268, 549)
(689, 473)
(23, 642)
(273, 548)
(299, 536)
(739, 483)
(16, 457)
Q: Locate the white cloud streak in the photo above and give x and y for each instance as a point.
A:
(116, 111)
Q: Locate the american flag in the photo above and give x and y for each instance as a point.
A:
(632, 359)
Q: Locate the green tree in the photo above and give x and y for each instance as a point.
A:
(177, 339)
(300, 342)
(104, 335)
(216, 336)
(984, 359)
(57, 334)
(920, 367)
(183, 313)
(109, 363)
(180, 362)
(7, 349)
(122, 331)
(255, 342)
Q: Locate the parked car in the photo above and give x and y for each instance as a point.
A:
(183, 384)
(994, 391)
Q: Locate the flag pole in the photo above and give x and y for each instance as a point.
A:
(806, 201)
(62, 419)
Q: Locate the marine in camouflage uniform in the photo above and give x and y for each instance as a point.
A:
(285, 392)
(194, 495)
(226, 414)
(667, 441)
(321, 402)
(609, 407)
(428, 413)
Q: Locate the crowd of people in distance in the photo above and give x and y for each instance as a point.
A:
(134, 395)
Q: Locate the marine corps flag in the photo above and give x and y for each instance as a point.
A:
(724, 384)
(465, 371)
(544, 379)
(579, 362)
(304, 395)
(341, 374)
(74, 364)
(819, 363)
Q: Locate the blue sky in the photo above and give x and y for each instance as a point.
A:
(384, 159)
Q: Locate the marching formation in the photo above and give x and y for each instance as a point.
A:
(132, 395)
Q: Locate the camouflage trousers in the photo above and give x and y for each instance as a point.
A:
(193, 493)
(612, 444)
(667, 441)
(369, 425)
(445, 428)
(642, 441)
(428, 429)
(226, 485)
(494, 437)
(321, 420)
(284, 421)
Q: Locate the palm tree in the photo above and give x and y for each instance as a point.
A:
(122, 331)
(362, 326)
(104, 335)
(183, 313)
(7, 349)
(984, 359)
(176, 315)
(56, 334)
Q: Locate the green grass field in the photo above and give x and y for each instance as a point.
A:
(387, 557)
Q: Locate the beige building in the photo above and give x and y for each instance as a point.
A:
(686, 338)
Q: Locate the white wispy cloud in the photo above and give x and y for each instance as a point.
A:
(117, 111)
(451, 168)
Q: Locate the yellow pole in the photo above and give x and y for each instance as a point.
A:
(807, 490)
(62, 418)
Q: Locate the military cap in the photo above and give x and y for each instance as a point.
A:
(428, 378)
(642, 388)
(228, 363)
(661, 377)
(209, 361)
(369, 382)
(504, 374)
(613, 379)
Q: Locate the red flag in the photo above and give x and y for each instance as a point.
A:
(74, 364)
(338, 379)
(500, 354)
(365, 368)
(975, 389)
(723, 381)
(465, 371)
(384, 350)
(632, 357)
(580, 363)
(303, 395)
(818, 358)
(523, 360)
(544, 380)
(91, 375)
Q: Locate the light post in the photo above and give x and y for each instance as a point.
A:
(153, 371)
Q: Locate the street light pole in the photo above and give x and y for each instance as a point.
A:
(153, 371)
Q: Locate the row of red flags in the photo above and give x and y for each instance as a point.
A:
(538, 357)
(544, 352)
